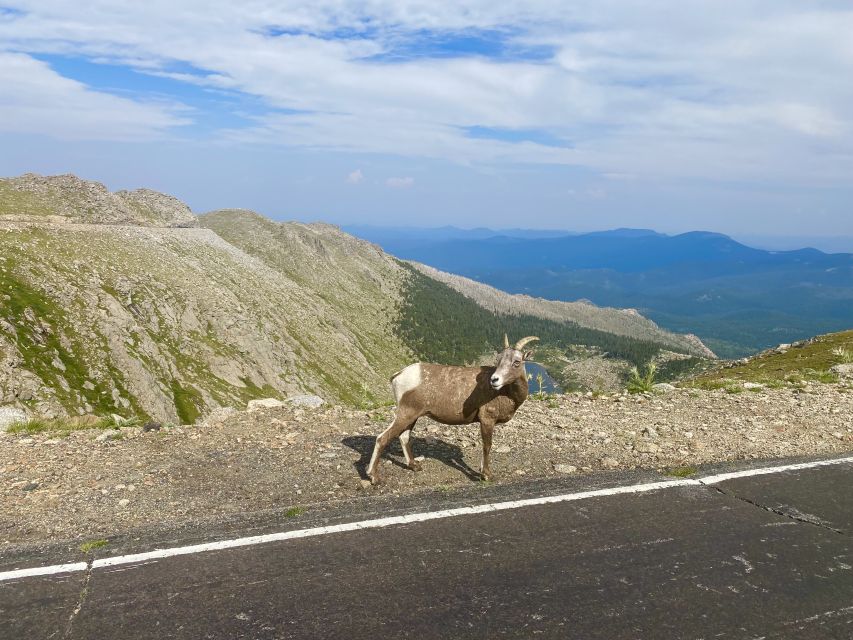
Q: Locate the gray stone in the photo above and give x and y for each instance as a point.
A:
(609, 463)
(644, 446)
(843, 370)
(264, 403)
(306, 401)
(650, 432)
(664, 387)
(565, 468)
(504, 448)
(752, 386)
(219, 415)
(11, 415)
(111, 434)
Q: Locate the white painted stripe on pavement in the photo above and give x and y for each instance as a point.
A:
(384, 522)
(43, 571)
(746, 473)
(377, 523)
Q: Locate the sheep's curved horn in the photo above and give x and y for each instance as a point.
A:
(506, 342)
(520, 344)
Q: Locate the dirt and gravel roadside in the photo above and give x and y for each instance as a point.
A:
(80, 487)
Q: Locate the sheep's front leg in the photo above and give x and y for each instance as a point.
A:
(486, 430)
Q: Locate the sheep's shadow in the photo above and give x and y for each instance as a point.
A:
(446, 453)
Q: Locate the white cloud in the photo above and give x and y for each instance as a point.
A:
(355, 177)
(400, 183)
(703, 88)
(36, 99)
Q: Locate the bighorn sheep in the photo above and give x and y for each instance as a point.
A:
(456, 395)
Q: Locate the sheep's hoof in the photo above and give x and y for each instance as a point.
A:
(416, 466)
(374, 479)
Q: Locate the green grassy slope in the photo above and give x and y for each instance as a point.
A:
(810, 360)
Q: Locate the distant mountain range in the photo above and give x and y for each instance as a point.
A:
(738, 299)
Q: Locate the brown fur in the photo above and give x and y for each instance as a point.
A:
(459, 395)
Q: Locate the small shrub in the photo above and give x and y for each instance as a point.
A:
(294, 512)
(642, 382)
(682, 472)
(91, 545)
(845, 356)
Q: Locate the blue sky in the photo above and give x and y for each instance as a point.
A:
(715, 114)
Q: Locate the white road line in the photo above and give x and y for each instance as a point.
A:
(378, 523)
(43, 571)
(746, 473)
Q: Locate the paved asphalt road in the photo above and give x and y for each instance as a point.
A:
(761, 557)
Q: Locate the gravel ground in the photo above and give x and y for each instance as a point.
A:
(77, 487)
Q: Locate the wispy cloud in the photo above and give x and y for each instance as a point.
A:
(400, 183)
(702, 88)
(354, 177)
(35, 99)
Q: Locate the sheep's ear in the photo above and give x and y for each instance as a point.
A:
(527, 355)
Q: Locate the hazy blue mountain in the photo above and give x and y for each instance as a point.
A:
(736, 298)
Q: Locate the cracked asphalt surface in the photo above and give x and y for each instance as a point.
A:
(768, 556)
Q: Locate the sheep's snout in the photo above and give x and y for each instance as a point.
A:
(496, 382)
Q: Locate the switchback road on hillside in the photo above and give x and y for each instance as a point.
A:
(758, 556)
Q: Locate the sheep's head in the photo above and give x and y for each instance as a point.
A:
(510, 364)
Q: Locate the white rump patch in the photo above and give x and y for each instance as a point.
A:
(406, 380)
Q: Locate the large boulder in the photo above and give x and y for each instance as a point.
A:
(664, 387)
(10, 415)
(306, 401)
(843, 370)
(264, 403)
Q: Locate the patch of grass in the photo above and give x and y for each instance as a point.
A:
(825, 377)
(64, 426)
(188, 402)
(844, 355)
(681, 472)
(734, 389)
(809, 361)
(642, 382)
(91, 545)
(443, 488)
(294, 512)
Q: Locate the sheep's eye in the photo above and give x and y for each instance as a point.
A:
(516, 363)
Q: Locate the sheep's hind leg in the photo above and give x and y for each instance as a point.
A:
(486, 431)
(401, 423)
(413, 464)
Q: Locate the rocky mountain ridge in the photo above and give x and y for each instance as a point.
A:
(67, 198)
(126, 302)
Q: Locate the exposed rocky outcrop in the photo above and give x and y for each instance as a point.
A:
(67, 198)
